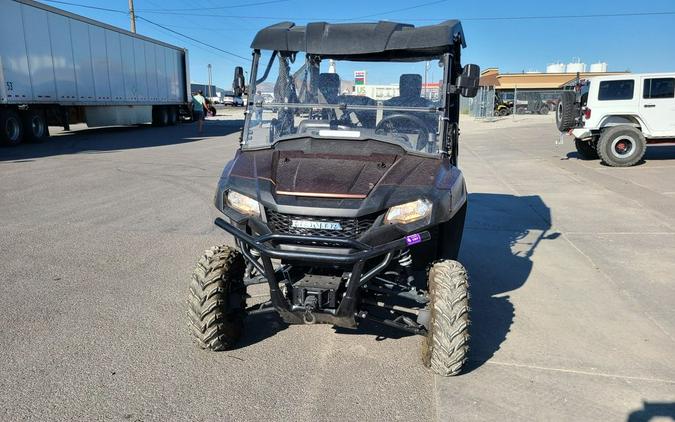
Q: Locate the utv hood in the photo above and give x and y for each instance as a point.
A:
(329, 175)
(349, 170)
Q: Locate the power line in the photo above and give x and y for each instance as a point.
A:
(235, 6)
(86, 6)
(490, 18)
(193, 39)
(438, 19)
(156, 24)
(399, 10)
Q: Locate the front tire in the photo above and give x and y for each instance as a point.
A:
(622, 146)
(587, 150)
(446, 345)
(217, 299)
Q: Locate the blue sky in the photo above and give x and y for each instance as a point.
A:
(636, 43)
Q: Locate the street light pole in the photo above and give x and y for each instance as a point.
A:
(426, 71)
(132, 16)
(209, 89)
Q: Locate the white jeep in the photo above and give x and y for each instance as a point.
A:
(616, 117)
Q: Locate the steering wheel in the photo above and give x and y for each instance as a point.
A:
(392, 123)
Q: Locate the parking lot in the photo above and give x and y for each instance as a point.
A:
(571, 263)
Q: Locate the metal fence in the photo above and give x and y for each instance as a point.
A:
(491, 103)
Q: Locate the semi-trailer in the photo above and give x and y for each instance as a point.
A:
(58, 68)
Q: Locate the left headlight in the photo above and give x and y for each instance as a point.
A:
(242, 203)
(408, 212)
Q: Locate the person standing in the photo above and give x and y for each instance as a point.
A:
(258, 101)
(199, 109)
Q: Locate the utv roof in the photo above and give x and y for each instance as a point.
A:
(365, 41)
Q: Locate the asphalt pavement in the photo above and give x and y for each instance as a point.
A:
(572, 268)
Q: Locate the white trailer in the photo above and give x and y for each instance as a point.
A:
(58, 68)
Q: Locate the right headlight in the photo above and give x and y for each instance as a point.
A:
(242, 203)
(408, 212)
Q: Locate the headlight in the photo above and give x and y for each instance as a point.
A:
(242, 203)
(408, 212)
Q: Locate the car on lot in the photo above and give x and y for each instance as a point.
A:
(616, 117)
(359, 202)
(233, 100)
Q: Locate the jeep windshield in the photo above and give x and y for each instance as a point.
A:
(301, 95)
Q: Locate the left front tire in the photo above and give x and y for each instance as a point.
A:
(446, 345)
(217, 299)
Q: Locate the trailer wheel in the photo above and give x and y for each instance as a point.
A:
(160, 116)
(172, 116)
(34, 125)
(11, 129)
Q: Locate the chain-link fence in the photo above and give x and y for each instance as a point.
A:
(490, 103)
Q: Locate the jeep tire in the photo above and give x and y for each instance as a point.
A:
(587, 150)
(566, 111)
(217, 298)
(621, 146)
(446, 345)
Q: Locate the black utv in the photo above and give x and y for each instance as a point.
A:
(345, 197)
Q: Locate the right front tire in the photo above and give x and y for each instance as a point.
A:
(446, 346)
(217, 298)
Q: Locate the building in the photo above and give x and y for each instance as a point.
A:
(535, 81)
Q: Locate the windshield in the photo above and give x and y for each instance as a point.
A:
(301, 96)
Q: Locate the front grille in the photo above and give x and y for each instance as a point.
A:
(352, 228)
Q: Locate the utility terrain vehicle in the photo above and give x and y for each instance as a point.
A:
(616, 117)
(359, 202)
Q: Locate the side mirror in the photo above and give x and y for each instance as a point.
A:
(467, 82)
(239, 83)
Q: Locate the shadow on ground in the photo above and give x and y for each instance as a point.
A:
(107, 139)
(653, 411)
(500, 237)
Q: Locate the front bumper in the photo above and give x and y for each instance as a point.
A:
(362, 251)
(345, 314)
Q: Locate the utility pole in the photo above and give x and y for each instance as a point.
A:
(426, 71)
(209, 88)
(132, 16)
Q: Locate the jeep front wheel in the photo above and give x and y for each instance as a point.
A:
(446, 345)
(622, 146)
(217, 298)
(587, 150)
